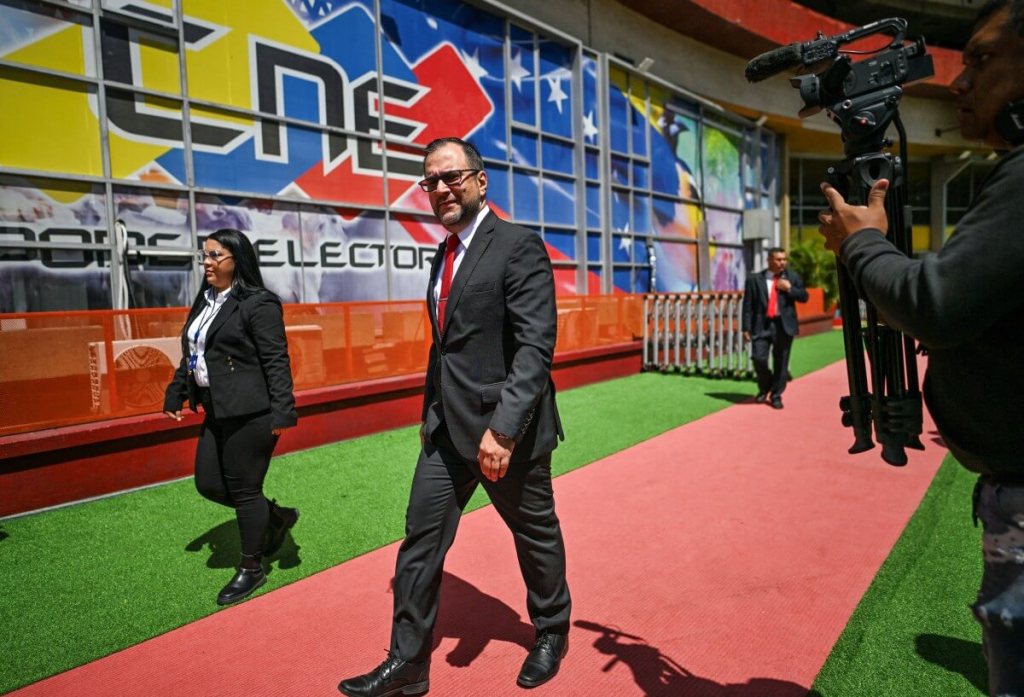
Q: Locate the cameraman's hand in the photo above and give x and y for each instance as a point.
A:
(841, 220)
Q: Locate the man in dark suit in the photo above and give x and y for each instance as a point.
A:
(489, 417)
(770, 323)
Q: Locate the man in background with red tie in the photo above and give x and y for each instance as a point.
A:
(489, 418)
(770, 323)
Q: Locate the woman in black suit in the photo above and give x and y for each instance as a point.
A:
(235, 363)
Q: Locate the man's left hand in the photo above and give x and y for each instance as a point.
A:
(494, 455)
(783, 285)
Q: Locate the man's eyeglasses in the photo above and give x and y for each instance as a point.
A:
(216, 256)
(453, 178)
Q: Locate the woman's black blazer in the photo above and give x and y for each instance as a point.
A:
(246, 359)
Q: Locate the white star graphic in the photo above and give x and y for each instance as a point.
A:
(557, 95)
(472, 63)
(516, 71)
(589, 129)
(625, 242)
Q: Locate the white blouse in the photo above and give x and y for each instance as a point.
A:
(197, 334)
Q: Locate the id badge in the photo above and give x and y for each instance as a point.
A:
(192, 360)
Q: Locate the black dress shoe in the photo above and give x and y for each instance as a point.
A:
(281, 521)
(776, 402)
(246, 581)
(392, 677)
(761, 397)
(542, 663)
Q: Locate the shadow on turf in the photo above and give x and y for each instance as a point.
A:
(225, 548)
(732, 397)
(3, 535)
(474, 619)
(955, 655)
(659, 675)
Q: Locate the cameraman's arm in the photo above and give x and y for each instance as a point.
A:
(949, 297)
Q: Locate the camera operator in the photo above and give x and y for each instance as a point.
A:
(965, 305)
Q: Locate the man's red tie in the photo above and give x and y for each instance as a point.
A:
(451, 245)
(773, 299)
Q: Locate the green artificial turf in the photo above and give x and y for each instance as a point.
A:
(81, 582)
(913, 632)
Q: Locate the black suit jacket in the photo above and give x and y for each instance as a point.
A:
(246, 359)
(755, 303)
(492, 365)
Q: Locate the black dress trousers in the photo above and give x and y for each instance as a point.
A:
(442, 485)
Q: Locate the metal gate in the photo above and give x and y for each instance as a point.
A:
(696, 334)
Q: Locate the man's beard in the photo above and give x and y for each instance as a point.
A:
(465, 212)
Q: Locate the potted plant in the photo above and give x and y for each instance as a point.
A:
(817, 267)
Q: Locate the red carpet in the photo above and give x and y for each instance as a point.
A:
(721, 559)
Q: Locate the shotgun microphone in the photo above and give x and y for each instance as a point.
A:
(774, 62)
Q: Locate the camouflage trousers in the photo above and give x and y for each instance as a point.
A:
(1000, 604)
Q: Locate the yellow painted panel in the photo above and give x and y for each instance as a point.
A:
(56, 130)
(63, 50)
(220, 71)
(160, 70)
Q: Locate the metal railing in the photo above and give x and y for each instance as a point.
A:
(696, 334)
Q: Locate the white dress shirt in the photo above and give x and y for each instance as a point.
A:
(465, 237)
(197, 333)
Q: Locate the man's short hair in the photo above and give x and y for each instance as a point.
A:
(473, 159)
(776, 250)
(993, 6)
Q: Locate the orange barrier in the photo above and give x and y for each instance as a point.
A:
(56, 370)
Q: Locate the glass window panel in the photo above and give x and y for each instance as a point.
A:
(620, 170)
(591, 107)
(558, 156)
(45, 210)
(676, 263)
(525, 197)
(640, 174)
(143, 59)
(154, 217)
(343, 250)
(593, 206)
(721, 159)
(725, 226)
(498, 183)
(728, 272)
(642, 280)
(143, 131)
(522, 75)
(593, 164)
(564, 241)
(622, 246)
(769, 161)
(641, 214)
(622, 278)
(559, 201)
(620, 210)
(556, 101)
(154, 11)
(675, 219)
(638, 116)
(524, 148)
(593, 247)
(59, 133)
(749, 159)
(618, 108)
(46, 37)
(594, 279)
(811, 177)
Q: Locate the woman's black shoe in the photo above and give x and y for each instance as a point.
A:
(246, 580)
(281, 521)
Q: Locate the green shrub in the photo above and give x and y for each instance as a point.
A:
(816, 266)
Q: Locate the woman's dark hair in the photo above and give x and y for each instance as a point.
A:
(248, 279)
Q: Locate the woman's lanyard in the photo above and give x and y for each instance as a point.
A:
(204, 321)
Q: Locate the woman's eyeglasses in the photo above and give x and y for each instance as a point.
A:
(453, 178)
(216, 256)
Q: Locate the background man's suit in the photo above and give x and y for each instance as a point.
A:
(489, 368)
(774, 336)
